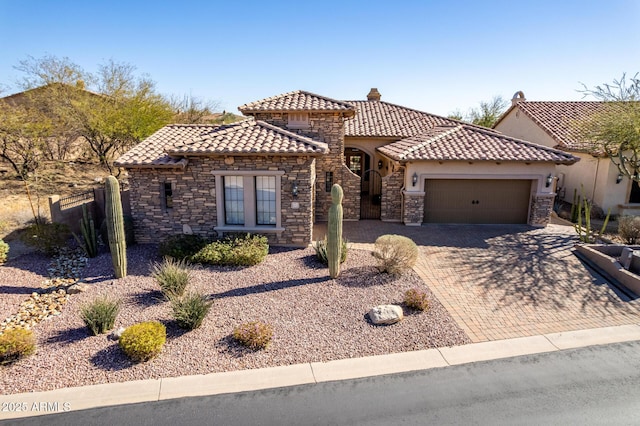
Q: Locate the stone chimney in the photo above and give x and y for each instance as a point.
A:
(373, 95)
(518, 97)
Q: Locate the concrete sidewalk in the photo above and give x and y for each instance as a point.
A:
(80, 398)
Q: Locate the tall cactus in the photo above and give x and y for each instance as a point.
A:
(115, 227)
(334, 231)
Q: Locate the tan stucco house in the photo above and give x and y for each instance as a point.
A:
(555, 124)
(272, 173)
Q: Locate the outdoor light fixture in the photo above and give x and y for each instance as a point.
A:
(379, 164)
(414, 179)
(619, 178)
(294, 189)
(549, 180)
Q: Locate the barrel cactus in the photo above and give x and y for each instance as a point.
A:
(115, 227)
(334, 231)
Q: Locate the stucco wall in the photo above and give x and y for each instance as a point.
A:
(519, 125)
(195, 202)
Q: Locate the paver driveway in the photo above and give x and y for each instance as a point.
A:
(505, 281)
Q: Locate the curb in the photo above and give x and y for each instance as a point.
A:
(104, 395)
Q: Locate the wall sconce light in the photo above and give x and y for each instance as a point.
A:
(294, 189)
(414, 178)
(379, 164)
(549, 180)
(619, 178)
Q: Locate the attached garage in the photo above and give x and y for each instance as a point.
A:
(477, 200)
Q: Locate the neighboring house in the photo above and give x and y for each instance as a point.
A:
(555, 124)
(272, 173)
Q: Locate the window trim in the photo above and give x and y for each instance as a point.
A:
(250, 211)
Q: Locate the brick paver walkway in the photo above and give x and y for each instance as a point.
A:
(506, 281)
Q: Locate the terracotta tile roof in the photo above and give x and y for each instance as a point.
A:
(151, 151)
(471, 143)
(382, 119)
(298, 100)
(560, 119)
(249, 137)
(168, 146)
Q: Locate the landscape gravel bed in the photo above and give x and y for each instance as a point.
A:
(315, 318)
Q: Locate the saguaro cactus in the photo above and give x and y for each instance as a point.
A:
(115, 227)
(334, 231)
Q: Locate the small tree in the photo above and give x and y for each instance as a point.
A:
(486, 114)
(615, 129)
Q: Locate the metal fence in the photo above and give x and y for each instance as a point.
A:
(76, 199)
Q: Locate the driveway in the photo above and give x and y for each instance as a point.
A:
(506, 281)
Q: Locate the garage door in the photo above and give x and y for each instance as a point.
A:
(476, 201)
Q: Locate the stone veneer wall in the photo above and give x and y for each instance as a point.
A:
(413, 208)
(325, 127)
(391, 206)
(195, 204)
(541, 207)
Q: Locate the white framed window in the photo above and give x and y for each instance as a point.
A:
(298, 120)
(248, 200)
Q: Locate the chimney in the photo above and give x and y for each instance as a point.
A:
(373, 95)
(518, 97)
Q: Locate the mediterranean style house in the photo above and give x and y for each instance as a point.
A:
(555, 124)
(272, 173)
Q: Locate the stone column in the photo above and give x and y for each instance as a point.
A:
(541, 207)
(413, 208)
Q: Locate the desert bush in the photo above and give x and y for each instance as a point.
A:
(416, 299)
(181, 246)
(100, 315)
(395, 253)
(247, 251)
(16, 344)
(629, 229)
(48, 238)
(143, 341)
(190, 310)
(172, 276)
(254, 335)
(321, 250)
(4, 251)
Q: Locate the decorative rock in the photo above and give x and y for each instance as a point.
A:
(77, 288)
(115, 335)
(386, 314)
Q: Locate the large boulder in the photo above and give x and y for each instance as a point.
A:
(386, 314)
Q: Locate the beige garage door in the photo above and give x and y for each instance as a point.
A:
(476, 201)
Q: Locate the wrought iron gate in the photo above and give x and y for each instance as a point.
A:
(370, 195)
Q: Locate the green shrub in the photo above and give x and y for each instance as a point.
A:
(4, 251)
(15, 344)
(181, 246)
(255, 334)
(629, 229)
(321, 250)
(416, 299)
(48, 238)
(172, 276)
(100, 315)
(190, 310)
(143, 341)
(247, 251)
(395, 253)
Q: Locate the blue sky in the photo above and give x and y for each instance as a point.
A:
(432, 56)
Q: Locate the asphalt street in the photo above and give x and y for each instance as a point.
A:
(593, 385)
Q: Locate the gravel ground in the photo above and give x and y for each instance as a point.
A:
(314, 318)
